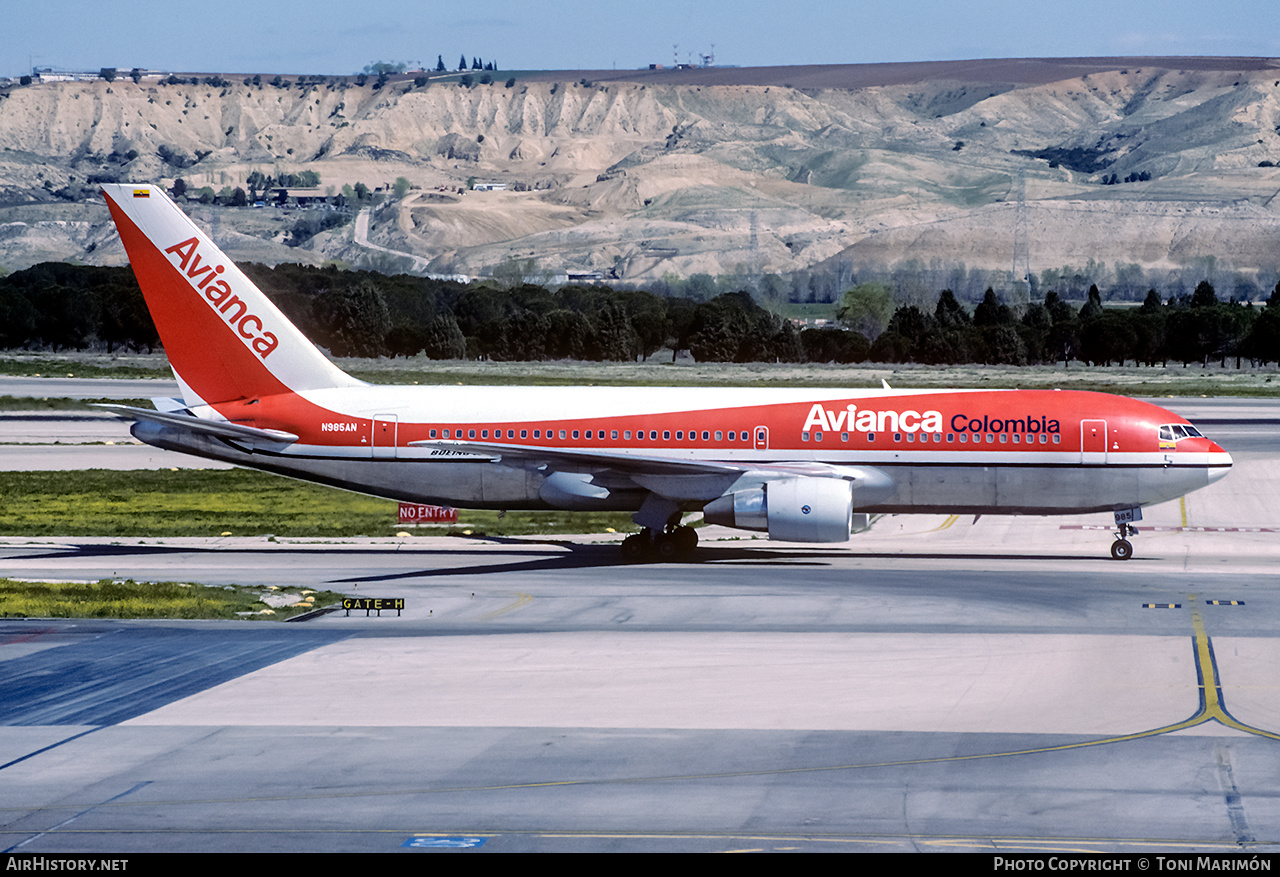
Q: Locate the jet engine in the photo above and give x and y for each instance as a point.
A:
(803, 509)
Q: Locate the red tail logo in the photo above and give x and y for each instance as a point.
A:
(204, 278)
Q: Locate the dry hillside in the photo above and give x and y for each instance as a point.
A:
(716, 171)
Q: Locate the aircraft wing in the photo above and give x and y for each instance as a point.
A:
(580, 460)
(672, 477)
(220, 428)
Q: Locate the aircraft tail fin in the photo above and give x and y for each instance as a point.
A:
(224, 338)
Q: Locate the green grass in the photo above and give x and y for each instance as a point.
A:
(242, 502)
(129, 599)
(1130, 380)
(61, 403)
(69, 366)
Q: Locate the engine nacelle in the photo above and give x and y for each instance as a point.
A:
(791, 509)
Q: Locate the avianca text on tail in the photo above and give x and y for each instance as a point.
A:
(800, 465)
(216, 291)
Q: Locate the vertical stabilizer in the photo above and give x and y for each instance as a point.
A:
(224, 338)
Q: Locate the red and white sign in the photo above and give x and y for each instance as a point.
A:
(416, 513)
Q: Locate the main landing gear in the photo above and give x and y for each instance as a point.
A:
(1122, 548)
(673, 543)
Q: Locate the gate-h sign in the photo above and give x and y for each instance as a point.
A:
(373, 604)
(416, 513)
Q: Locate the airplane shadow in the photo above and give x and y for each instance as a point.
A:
(533, 556)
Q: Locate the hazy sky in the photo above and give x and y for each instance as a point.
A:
(325, 36)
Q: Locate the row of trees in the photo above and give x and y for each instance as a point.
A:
(360, 313)
(1194, 328)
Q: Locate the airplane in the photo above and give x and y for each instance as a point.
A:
(801, 465)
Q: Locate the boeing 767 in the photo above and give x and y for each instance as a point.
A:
(795, 463)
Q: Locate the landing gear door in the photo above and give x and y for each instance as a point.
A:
(762, 438)
(384, 436)
(1093, 441)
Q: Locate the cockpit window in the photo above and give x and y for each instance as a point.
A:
(1171, 432)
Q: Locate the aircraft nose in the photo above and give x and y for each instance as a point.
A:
(1222, 462)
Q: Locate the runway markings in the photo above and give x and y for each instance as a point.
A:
(951, 519)
(426, 841)
(1175, 529)
(521, 600)
(1212, 708)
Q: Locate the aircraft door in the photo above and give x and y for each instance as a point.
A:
(1093, 441)
(762, 438)
(384, 436)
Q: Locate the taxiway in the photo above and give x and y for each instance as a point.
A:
(939, 683)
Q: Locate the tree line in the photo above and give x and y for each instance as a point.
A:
(57, 306)
(1186, 328)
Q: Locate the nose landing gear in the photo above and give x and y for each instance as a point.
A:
(1122, 548)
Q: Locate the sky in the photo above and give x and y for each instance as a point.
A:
(338, 38)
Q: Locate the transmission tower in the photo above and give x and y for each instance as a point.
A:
(1021, 273)
(756, 261)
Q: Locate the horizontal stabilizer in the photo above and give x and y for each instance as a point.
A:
(220, 428)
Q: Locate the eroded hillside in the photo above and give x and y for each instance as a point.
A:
(643, 178)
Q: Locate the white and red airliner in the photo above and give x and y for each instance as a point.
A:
(797, 464)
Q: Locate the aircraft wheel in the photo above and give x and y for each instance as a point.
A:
(635, 547)
(1121, 549)
(667, 545)
(686, 539)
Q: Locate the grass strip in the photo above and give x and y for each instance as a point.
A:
(62, 403)
(109, 598)
(239, 502)
(70, 366)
